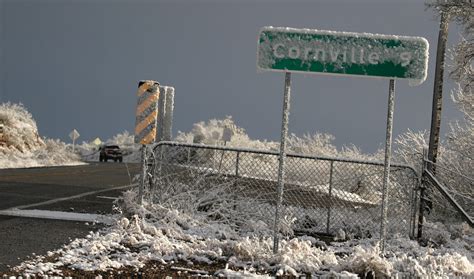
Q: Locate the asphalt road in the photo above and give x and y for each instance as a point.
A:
(80, 189)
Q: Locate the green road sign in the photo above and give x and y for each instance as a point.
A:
(362, 54)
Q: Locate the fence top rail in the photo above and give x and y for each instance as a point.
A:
(276, 153)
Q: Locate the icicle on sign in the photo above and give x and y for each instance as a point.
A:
(363, 54)
(147, 111)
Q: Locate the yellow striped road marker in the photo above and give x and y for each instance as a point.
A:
(147, 111)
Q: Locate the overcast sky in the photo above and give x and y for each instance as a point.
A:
(76, 64)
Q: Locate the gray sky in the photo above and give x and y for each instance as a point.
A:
(75, 64)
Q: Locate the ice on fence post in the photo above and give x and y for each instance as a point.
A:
(161, 113)
(165, 117)
(168, 119)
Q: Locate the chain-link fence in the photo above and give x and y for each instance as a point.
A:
(458, 186)
(446, 200)
(321, 195)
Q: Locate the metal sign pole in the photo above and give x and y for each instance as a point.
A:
(143, 178)
(74, 135)
(386, 171)
(281, 166)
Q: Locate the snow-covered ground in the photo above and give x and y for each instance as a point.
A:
(170, 236)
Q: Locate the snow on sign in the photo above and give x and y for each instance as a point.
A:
(362, 54)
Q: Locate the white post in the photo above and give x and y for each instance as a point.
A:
(168, 120)
(281, 166)
(386, 172)
(143, 178)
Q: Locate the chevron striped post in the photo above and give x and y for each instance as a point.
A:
(147, 111)
(146, 123)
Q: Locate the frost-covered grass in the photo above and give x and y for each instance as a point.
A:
(21, 145)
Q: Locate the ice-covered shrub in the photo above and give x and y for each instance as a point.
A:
(317, 145)
(454, 166)
(19, 129)
(211, 132)
(21, 145)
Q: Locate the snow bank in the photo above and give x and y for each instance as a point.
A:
(21, 145)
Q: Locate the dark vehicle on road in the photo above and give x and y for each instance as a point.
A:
(110, 152)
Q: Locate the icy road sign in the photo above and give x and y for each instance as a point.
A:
(306, 50)
(74, 135)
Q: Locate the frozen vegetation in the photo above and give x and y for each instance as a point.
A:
(21, 145)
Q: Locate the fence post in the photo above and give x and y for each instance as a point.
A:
(330, 197)
(422, 195)
(143, 178)
(237, 159)
(414, 203)
(189, 155)
(159, 182)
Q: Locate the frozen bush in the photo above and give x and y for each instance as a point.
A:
(21, 145)
(20, 131)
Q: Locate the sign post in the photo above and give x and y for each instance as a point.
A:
(227, 134)
(387, 160)
(281, 165)
(74, 135)
(287, 50)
